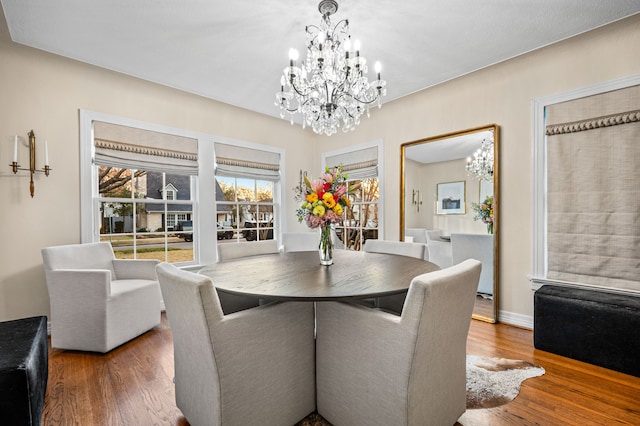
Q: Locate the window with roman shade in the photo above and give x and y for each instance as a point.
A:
(144, 191)
(362, 216)
(592, 202)
(247, 184)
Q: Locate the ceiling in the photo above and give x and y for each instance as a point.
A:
(235, 51)
(449, 148)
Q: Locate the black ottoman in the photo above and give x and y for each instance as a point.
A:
(593, 326)
(24, 370)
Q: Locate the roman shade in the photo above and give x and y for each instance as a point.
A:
(238, 161)
(593, 196)
(360, 164)
(140, 149)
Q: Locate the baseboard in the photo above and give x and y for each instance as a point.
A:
(523, 321)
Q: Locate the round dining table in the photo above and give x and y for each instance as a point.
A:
(299, 275)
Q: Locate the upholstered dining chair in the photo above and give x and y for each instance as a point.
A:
(300, 241)
(395, 302)
(400, 248)
(377, 369)
(227, 251)
(254, 367)
(99, 302)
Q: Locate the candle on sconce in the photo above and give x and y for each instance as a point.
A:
(46, 152)
(15, 149)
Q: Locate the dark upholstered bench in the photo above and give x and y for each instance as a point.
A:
(24, 370)
(593, 326)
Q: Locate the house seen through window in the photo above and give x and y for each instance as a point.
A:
(245, 209)
(141, 218)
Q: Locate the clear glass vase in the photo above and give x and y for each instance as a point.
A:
(325, 247)
(490, 227)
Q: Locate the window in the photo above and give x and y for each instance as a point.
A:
(247, 210)
(247, 184)
(170, 192)
(167, 191)
(138, 185)
(362, 219)
(586, 198)
(137, 225)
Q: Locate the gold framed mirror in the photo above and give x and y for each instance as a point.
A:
(450, 201)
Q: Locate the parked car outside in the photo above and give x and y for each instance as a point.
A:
(225, 232)
(185, 225)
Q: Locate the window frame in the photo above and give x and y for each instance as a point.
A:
(538, 276)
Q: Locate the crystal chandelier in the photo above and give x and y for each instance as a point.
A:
(330, 88)
(481, 165)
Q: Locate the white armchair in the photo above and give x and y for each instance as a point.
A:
(377, 369)
(439, 251)
(479, 247)
(419, 235)
(254, 367)
(99, 302)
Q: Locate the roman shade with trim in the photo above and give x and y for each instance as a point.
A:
(238, 161)
(360, 164)
(593, 196)
(140, 149)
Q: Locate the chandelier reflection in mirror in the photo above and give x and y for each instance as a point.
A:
(330, 88)
(481, 165)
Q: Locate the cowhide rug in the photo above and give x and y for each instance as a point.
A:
(490, 382)
(496, 381)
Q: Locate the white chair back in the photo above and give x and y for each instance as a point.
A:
(230, 250)
(300, 241)
(399, 248)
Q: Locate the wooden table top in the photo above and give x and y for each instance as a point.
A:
(299, 275)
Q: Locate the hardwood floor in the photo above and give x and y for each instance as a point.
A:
(132, 385)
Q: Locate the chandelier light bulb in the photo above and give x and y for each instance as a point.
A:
(329, 88)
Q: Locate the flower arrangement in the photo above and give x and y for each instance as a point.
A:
(324, 199)
(484, 212)
(323, 202)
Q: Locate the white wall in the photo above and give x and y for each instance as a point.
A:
(501, 94)
(44, 92)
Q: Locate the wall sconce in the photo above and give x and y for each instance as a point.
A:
(32, 160)
(416, 200)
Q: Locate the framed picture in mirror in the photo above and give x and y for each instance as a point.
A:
(451, 198)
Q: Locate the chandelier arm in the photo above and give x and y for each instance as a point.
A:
(335, 28)
(293, 85)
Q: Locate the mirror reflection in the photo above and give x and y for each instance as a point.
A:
(449, 202)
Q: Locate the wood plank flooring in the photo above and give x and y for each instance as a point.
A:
(132, 385)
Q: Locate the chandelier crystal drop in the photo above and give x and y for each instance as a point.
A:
(481, 165)
(330, 88)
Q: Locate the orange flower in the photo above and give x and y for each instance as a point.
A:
(328, 200)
